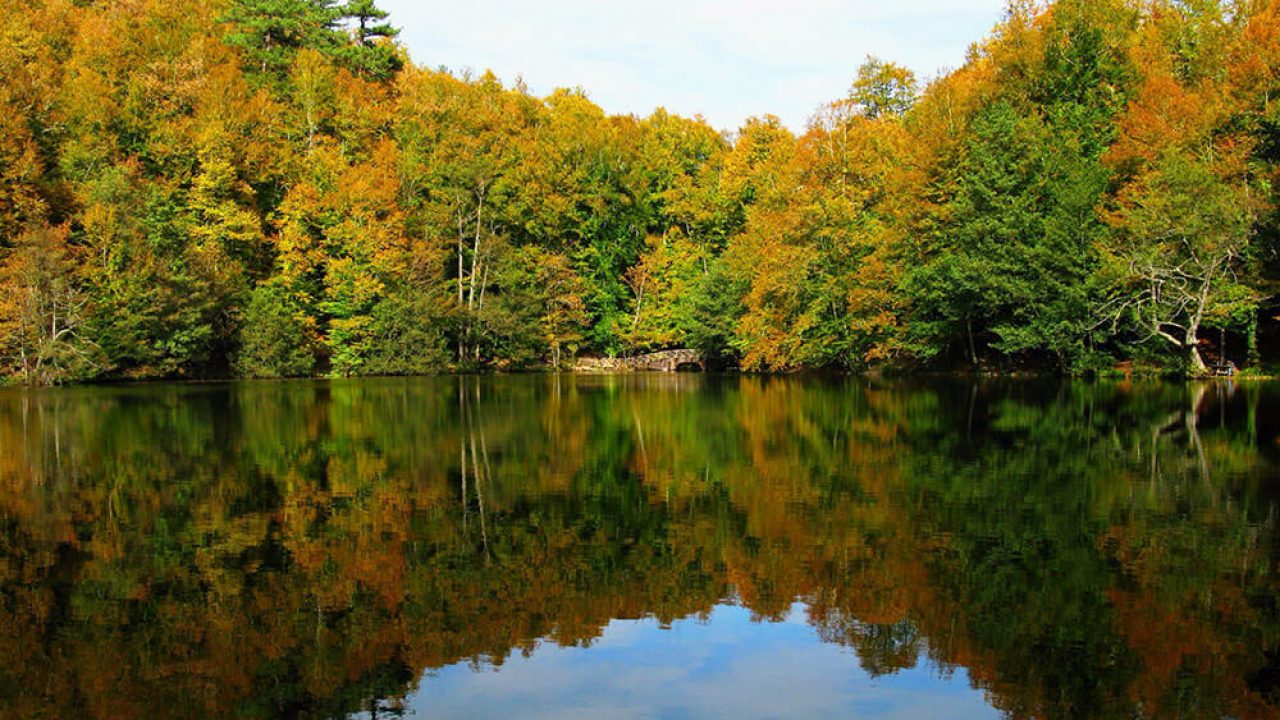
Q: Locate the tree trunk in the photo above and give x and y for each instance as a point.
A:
(462, 249)
(635, 323)
(475, 250)
(1198, 368)
(973, 349)
(1254, 359)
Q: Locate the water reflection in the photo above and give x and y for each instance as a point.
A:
(729, 666)
(323, 549)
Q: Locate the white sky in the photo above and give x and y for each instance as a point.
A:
(724, 59)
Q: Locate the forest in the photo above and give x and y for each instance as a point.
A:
(271, 188)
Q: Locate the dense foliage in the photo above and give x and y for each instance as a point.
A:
(270, 188)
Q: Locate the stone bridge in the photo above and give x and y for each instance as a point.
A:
(665, 361)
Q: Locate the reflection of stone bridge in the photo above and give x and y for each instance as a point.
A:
(665, 361)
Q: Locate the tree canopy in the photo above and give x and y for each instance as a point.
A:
(270, 187)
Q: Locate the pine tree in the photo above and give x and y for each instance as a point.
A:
(368, 18)
(372, 55)
(270, 32)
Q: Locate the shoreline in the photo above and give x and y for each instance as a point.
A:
(620, 372)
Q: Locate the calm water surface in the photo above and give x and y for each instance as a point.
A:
(640, 547)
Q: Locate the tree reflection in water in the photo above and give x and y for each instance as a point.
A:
(310, 549)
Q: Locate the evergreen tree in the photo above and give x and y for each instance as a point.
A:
(372, 55)
(274, 341)
(270, 32)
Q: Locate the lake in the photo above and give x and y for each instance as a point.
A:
(645, 546)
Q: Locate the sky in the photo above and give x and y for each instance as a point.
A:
(726, 60)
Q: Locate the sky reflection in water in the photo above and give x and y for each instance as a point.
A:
(889, 549)
(729, 666)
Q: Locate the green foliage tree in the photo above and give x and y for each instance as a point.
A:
(663, 283)
(408, 335)
(1010, 264)
(274, 340)
(715, 307)
(1012, 268)
(372, 55)
(155, 311)
(1187, 231)
(270, 32)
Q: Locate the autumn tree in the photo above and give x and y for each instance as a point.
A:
(42, 315)
(883, 88)
(1188, 211)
